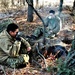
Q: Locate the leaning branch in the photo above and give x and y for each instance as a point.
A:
(39, 17)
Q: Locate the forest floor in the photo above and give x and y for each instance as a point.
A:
(28, 27)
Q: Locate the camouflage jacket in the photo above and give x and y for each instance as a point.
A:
(9, 47)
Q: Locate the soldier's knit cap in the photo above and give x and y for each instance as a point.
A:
(52, 11)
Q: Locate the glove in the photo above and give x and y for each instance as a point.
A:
(26, 58)
(18, 38)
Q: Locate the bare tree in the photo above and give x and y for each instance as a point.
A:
(19, 2)
(60, 6)
(73, 10)
(23, 2)
(30, 11)
(12, 1)
(74, 5)
(36, 3)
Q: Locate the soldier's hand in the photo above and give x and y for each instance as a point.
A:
(29, 49)
(50, 32)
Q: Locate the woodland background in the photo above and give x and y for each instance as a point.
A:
(21, 13)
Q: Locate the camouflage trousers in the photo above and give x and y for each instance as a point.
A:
(38, 32)
(21, 59)
(14, 62)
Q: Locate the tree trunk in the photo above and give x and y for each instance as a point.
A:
(74, 5)
(60, 6)
(12, 2)
(30, 12)
(19, 2)
(36, 3)
(73, 11)
(23, 2)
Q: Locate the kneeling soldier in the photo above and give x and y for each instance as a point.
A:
(13, 50)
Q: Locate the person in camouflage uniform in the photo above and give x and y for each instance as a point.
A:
(53, 25)
(11, 52)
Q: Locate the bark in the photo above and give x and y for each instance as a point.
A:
(74, 5)
(30, 12)
(60, 6)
